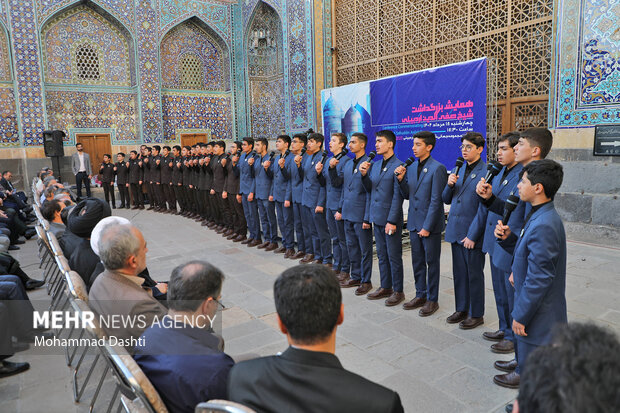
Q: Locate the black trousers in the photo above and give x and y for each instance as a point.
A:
(159, 195)
(123, 191)
(238, 217)
(15, 313)
(169, 196)
(108, 191)
(136, 194)
(179, 192)
(82, 178)
(224, 210)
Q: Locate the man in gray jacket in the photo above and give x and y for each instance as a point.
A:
(80, 165)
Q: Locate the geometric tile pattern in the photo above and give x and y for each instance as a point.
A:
(172, 12)
(585, 84)
(199, 111)
(267, 107)
(188, 39)
(122, 10)
(79, 27)
(5, 57)
(71, 109)
(9, 133)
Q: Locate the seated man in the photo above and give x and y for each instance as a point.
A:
(69, 241)
(181, 356)
(6, 183)
(307, 377)
(118, 290)
(81, 222)
(51, 211)
(577, 373)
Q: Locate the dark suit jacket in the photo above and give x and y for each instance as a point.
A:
(386, 205)
(306, 381)
(355, 200)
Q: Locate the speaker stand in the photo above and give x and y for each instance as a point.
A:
(56, 167)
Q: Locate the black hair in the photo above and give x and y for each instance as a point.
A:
(238, 143)
(5, 172)
(360, 136)
(204, 145)
(474, 137)
(388, 135)
(192, 283)
(263, 141)
(221, 144)
(546, 172)
(341, 136)
(511, 137)
(167, 148)
(249, 141)
(64, 214)
(317, 137)
(189, 148)
(285, 138)
(78, 144)
(122, 154)
(157, 148)
(134, 152)
(108, 155)
(577, 373)
(49, 208)
(308, 301)
(540, 137)
(302, 137)
(177, 147)
(427, 136)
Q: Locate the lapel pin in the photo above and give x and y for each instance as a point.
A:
(505, 182)
(473, 176)
(425, 170)
(522, 231)
(385, 169)
(355, 171)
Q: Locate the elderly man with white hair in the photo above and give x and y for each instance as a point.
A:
(118, 291)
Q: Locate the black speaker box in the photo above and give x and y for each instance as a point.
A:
(52, 143)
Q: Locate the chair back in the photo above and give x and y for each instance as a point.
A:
(63, 264)
(76, 286)
(131, 380)
(222, 406)
(55, 246)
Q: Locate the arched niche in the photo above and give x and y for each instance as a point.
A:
(9, 132)
(264, 46)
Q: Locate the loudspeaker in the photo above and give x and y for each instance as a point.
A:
(52, 143)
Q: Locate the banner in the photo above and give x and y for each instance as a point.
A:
(448, 101)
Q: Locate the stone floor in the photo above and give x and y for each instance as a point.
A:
(433, 365)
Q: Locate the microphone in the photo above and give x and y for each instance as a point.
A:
(303, 150)
(509, 206)
(459, 162)
(371, 156)
(493, 168)
(341, 154)
(272, 155)
(238, 153)
(285, 154)
(323, 157)
(252, 154)
(407, 163)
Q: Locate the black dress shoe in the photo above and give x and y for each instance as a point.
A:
(509, 408)
(428, 309)
(19, 242)
(493, 335)
(503, 347)
(415, 303)
(13, 248)
(32, 284)
(506, 366)
(456, 317)
(471, 322)
(8, 368)
(509, 380)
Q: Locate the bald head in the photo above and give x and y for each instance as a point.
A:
(122, 247)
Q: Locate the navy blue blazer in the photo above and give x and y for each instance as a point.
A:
(296, 180)
(386, 205)
(424, 195)
(501, 189)
(539, 270)
(313, 193)
(354, 199)
(245, 173)
(281, 176)
(464, 201)
(262, 178)
(333, 182)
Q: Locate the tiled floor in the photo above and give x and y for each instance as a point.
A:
(433, 365)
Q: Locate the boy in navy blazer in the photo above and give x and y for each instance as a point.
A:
(282, 194)
(354, 202)
(539, 263)
(263, 191)
(331, 178)
(466, 235)
(385, 211)
(295, 188)
(422, 184)
(504, 184)
(245, 171)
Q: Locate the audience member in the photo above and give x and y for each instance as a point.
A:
(307, 377)
(69, 241)
(577, 373)
(51, 211)
(118, 290)
(181, 356)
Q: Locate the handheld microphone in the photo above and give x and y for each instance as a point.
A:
(371, 156)
(238, 153)
(341, 154)
(459, 162)
(493, 168)
(407, 163)
(285, 154)
(272, 155)
(509, 206)
(252, 154)
(323, 157)
(303, 150)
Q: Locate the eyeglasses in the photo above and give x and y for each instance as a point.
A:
(219, 304)
(466, 148)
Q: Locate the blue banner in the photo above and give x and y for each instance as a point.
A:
(448, 101)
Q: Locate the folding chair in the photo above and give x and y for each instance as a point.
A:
(57, 280)
(75, 290)
(222, 406)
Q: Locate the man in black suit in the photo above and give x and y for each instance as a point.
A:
(307, 377)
